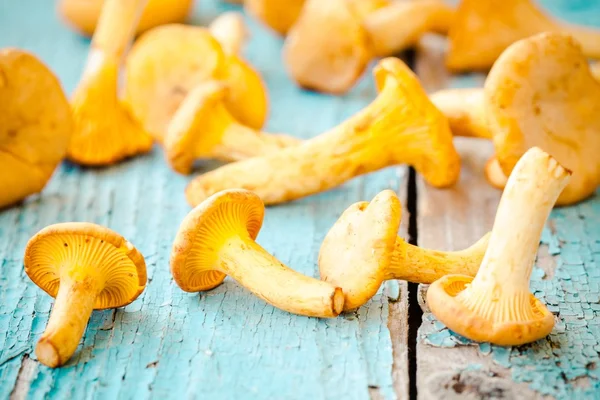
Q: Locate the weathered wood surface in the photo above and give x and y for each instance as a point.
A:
(224, 343)
(566, 277)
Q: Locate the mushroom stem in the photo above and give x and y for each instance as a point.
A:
(117, 23)
(465, 111)
(68, 320)
(399, 25)
(503, 277)
(415, 264)
(265, 276)
(399, 126)
(230, 31)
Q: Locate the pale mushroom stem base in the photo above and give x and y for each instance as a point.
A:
(414, 264)
(265, 276)
(68, 320)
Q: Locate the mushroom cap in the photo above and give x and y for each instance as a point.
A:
(276, 14)
(328, 49)
(482, 30)
(36, 125)
(358, 248)
(83, 14)
(540, 93)
(59, 248)
(167, 62)
(185, 139)
(205, 229)
(443, 301)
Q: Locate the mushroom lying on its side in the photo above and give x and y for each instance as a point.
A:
(483, 29)
(35, 125)
(217, 238)
(105, 130)
(332, 42)
(83, 15)
(86, 267)
(361, 251)
(400, 126)
(496, 306)
(167, 62)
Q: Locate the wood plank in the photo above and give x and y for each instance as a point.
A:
(565, 277)
(169, 344)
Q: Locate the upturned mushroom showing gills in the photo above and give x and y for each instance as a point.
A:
(202, 127)
(85, 267)
(105, 130)
(83, 14)
(166, 63)
(541, 93)
(399, 126)
(217, 239)
(482, 29)
(278, 15)
(496, 306)
(361, 251)
(332, 42)
(35, 125)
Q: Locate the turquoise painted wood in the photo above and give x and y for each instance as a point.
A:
(224, 343)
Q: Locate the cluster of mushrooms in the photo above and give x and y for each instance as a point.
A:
(189, 89)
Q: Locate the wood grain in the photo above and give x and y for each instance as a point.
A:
(562, 366)
(169, 344)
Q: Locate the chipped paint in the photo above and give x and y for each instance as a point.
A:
(224, 343)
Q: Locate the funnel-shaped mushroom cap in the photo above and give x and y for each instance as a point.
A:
(35, 125)
(105, 129)
(163, 66)
(482, 29)
(203, 232)
(328, 49)
(541, 93)
(92, 252)
(276, 14)
(362, 238)
(83, 14)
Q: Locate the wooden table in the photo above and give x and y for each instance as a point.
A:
(226, 343)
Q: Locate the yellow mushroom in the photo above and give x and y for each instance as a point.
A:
(595, 68)
(278, 15)
(362, 250)
(35, 125)
(483, 29)
(83, 15)
(86, 267)
(217, 238)
(230, 31)
(465, 111)
(399, 126)
(105, 130)
(541, 93)
(496, 306)
(202, 127)
(166, 63)
(494, 174)
(332, 42)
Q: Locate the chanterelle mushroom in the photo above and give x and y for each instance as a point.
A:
(465, 111)
(86, 267)
(202, 127)
(217, 239)
(496, 306)
(105, 130)
(230, 31)
(362, 250)
(83, 14)
(276, 14)
(166, 63)
(482, 29)
(332, 42)
(35, 125)
(541, 93)
(399, 126)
